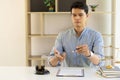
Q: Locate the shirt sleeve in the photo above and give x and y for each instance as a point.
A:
(58, 45)
(98, 48)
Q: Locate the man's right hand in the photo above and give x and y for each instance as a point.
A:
(59, 56)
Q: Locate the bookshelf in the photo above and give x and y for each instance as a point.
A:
(43, 26)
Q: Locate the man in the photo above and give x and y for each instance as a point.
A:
(78, 46)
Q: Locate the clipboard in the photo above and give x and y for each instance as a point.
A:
(69, 72)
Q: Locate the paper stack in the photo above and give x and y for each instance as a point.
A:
(113, 72)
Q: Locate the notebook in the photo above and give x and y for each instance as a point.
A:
(114, 69)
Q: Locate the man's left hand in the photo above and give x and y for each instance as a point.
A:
(83, 49)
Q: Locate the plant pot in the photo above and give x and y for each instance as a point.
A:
(51, 9)
(93, 9)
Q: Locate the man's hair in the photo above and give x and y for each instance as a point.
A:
(80, 5)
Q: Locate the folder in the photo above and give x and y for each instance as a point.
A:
(70, 72)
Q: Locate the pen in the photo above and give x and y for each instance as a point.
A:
(75, 49)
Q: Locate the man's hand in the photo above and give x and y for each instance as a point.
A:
(59, 56)
(83, 49)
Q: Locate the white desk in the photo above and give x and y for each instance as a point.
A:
(28, 73)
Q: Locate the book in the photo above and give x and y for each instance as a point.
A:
(114, 69)
(108, 75)
(70, 72)
(113, 72)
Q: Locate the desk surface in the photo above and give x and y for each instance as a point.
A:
(28, 73)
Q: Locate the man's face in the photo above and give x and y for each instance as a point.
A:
(79, 17)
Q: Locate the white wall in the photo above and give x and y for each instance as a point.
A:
(12, 33)
(117, 55)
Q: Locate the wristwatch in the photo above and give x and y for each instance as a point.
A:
(90, 54)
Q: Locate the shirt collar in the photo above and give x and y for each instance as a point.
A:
(73, 30)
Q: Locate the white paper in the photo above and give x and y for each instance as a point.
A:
(70, 72)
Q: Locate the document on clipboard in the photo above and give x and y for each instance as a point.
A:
(70, 72)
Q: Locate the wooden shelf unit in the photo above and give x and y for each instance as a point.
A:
(34, 7)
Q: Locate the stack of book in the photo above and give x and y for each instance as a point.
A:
(113, 72)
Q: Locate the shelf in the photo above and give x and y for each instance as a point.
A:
(37, 57)
(43, 35)
(102, 12)
(108, 35)
(54, 35)
(64, 5)
(37, 6)
(96, 12)
(60, 5)
(117, 62)
(48, 12)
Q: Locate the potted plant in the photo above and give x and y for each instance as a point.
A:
(93, 7)
(50, 4)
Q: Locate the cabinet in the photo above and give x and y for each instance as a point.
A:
(42, 26)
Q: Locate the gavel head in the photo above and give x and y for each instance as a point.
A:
(40, 68)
